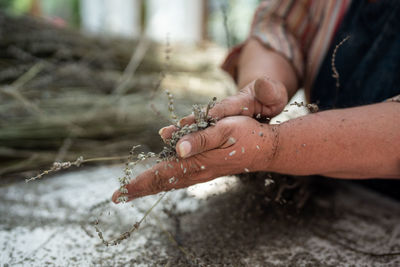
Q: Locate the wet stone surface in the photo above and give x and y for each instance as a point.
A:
(48, 223)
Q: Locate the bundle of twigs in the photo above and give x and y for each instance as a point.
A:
(64, 94)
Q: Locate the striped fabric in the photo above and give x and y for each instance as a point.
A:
(300, 30)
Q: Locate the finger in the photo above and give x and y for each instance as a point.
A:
(240, 104)
(115, 196)
(272, 95)
(205, 140)
(164, 176)
(144, 184)
(187, 120)
(166, 132)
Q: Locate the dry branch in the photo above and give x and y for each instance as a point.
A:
(58, 84)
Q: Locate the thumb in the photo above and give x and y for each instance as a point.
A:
(204, 140)
(272, 94)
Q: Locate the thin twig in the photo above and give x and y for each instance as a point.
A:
(224, 10)
(28, 76)
(16, 166)
(57, 166)
(157, 112)
(334, 70)
(63, 149)
(137, 57)
(105, 159)
(125, 235)
(13, 89)
(165, 68)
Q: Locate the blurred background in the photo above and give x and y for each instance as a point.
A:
(184, 21)
(87, 77)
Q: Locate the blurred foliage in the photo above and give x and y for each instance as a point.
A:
(228, 20)
(68, 10)
(15, 6)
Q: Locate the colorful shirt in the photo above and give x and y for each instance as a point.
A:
(300, 30)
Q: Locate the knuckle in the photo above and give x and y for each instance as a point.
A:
(202, 140)
(222, 107)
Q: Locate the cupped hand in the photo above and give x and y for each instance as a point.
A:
(263, 97)
(234, 145)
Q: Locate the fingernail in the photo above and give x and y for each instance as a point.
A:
(160, 132)
(184, 148)
(114, 198)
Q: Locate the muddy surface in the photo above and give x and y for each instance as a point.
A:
(48, 223)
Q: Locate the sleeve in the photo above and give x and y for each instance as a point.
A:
(285, 26)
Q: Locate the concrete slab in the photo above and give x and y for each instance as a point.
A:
(48, 223)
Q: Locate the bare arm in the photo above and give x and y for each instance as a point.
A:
(257, 61)
(361, 142)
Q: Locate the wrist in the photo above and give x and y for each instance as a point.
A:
(274, 147)
(269, 148)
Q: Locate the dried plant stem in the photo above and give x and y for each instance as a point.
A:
(31, 107)
(171, 107)
(67, 164)
(105, 159)
(16, 166)
(164, 69)
(202, 121)
(137, 57)
(63, 149)
(157, 112)
(334, 70)
(125, 235)
(13, 89)
(283, 187)
(311, 107)
(224, 10)
(29, 75)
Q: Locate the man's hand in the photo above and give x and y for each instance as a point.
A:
(234, 145)
(263, 97)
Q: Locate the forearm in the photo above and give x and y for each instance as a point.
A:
(362, 142)
(257, 61)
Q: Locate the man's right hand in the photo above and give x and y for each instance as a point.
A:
(263, 96)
